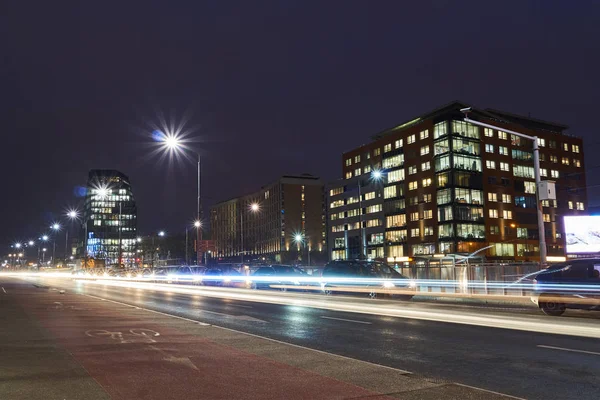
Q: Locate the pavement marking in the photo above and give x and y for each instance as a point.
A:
(490, 391)
(4, 290)
(347, 320)
(571, 350)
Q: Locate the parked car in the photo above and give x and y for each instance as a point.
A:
(277, 275)
(222, 276)
(166, 274)
(572, 284)
(364, 272)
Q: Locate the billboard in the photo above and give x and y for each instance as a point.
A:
(583, 234)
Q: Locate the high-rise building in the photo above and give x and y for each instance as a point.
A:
(110, 218)
(282, 222)
(446, 186)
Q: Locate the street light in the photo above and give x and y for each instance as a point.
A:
(300, 238)
(55, 227)
(253, 207)
(30, 243)
(161, 233)
(536, 172)
(72, 215)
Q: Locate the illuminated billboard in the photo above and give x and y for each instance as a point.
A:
(583, 234)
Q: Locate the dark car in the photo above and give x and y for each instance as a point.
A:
(223, 276)
(363, 274)
(277, 275)
(573, 284)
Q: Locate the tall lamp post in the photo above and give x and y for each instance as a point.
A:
(253, 207)
(301, 239)
(197, 225)
(55, 227)
(536, 171)
(72, 215)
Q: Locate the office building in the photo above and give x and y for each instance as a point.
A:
(110, 218)
(283, 222)
(449, 187)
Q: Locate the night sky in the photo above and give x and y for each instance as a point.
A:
(268, 88)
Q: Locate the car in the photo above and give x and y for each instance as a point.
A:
(166, 274)
(222, 276)
(374, 274)
(573, 284)
(276, 275)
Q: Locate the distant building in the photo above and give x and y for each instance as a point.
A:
(110, 218)
(450, 187)
(266, 225)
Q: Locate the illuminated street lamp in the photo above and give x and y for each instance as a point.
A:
(30, 243)
(300, 239)
(72, 215)
(161, 233)
(55, 227)
(254, 208)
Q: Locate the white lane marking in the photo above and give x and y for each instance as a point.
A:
(347, 320)
(4, 290)
(152, 311)
(571, 350)
(490, 391)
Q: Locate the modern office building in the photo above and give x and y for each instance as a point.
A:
(449, 187)
(110, 218)
(282, 222)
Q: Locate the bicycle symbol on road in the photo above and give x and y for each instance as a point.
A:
(132, 336)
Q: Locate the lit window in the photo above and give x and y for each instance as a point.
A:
(357, 172)
(503, 150)
(332, 192)
(427, 214)
(565, 160)
(414, 232)
(376, 152)
(357, 159)
(424, 134)
(570, 205)
(424, 150)
(506, 198)
(502, 135)
(580, 206)
(348, 174)
(506, 214)
(348, 162)
(529, 187)
(387, 147)
(565, 146)
(368, 155)
(413, 185)
(425, 166)
(428, 231)
(493, 213)
(553, 159)
(389, 192)
(488, 132)
(374, 208)
(492, 197)
(494, 229)
(395, 176)
(414, 216)
(554, 173)
(426, 182)
(575, 148)
(576, 162)
(398, 143)
(336, 203)
(367, 169)
(546, 217)
(369, 196)
(489, 148)
(504, 166)
(490, 164)
(541, 142)
(412, 169)
(427, 198)
(410, 139)
(543, 172)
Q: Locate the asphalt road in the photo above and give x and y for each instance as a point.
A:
(525, 364)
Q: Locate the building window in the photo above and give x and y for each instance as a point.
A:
(336, 203)
(393, 221)
(394, 161)
(523, 171)
(488, 132)
(424, 134)
(368, 155)
(357, 159)
(580, 206)
(489, 148)
(565, 146)
(464, 129)
(494, 229)
(357, 172)
(565, 161)
(414, 232)
(541, 142)
(489, 164)
(369, 196)
(426, 166)
(428, 231)
(575, 148)
(414, 216)
(504, 166)
(348, 162)
(570, 205)
(506, 198)
(374, 208)
(502, 135)
(507, 214)
(413, 201)
(398, 143)
(332, 192)
(427, 214)
(576, 163)
(389, 192)
(427, 198)
(444, 196)
(543, 172)
(440, 129)
(530, 187)
(502, 250)
(413, 185)
(492, 196)
(546, 217)
(426, 182)
(553, 158)
(493, 213)
(424, 150)
(387, 147)
(412, 169)
(376, 152)
(468, 163)
(410, 139)
(348, 174)
(367, 169)
(396, 175)
(554, 173)
(503, 150)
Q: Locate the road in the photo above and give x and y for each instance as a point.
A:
(525, 364)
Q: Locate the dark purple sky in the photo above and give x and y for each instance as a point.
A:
(273, 87)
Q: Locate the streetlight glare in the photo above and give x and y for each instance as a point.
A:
(197, 224)
(377, 175)
(171, 141)
(298, 237)
(161, 233)
(30, 243)
(18, 245)
(45, 238)
(55, 226)
(139, 239)
(254, 207)
(73, 214)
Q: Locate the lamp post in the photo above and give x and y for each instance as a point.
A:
(43, 238)
(197, 225)
(72, 215)
(55, 227)
(253, 207)
(536, 171)
(300, 238)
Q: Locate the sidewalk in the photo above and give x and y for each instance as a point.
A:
(70, 346)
